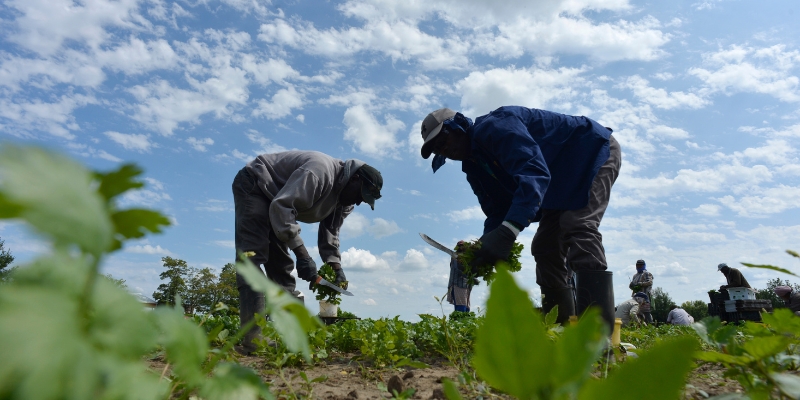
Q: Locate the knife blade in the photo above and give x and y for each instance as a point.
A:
(437, 245)
(322, 281)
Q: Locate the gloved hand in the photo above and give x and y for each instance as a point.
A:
(307, 269)
(341, 280)
(496, 245)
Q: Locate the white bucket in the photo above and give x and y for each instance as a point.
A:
(327, 309)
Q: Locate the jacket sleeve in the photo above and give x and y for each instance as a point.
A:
(634, 313)
(328, 234)
(647, 280)
(299, 192)
(507, 141)
(670, 316)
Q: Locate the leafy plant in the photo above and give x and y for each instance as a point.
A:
(325, 293)
(466, 255)
(66, 332)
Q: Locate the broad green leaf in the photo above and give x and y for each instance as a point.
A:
(772, 267)
(234, 382)
(116, 182)
(761, 347)
(664, 367)
(793, 253)
(576, 351)
(782, 320)
(289, 317)
(411, 363)
(134, 222)
(511, 346)
(551, 316)
(184, 342)
(450, 390)
(716, 357)
(788, 384)
(56, 196)
(9, 209)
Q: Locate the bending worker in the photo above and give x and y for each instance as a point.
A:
(733, 276)
(628, 310)
(527, 165)
(790, 297)
(275, 191)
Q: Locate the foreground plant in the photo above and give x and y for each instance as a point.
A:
(67, 333)
(325, 293)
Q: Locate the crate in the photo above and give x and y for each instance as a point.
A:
(741, 293)
(716, 297)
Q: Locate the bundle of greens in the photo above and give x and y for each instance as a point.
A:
(325, 293)
(466, 254)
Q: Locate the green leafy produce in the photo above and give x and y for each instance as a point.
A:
(466, 254)
(325, 293)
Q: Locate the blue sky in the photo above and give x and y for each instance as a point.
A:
(703, 96)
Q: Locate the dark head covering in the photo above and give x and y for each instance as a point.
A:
(372, 184)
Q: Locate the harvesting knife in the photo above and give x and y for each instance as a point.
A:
(322, 281)
(437, 245)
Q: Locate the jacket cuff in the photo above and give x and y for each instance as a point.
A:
(520, 215)
(511, 227)
(294, 242)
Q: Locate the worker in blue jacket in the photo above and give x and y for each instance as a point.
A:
(527, 165)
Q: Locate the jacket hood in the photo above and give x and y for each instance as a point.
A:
(350, 167)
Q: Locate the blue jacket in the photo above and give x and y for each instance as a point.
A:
(524, 159)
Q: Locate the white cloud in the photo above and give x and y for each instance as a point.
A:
(711, 210)
(381, 228)
(89, 151)
(131, 141)
(483, 92)
(281, 104)
(362, 260)
(467, 214)
(152, 194)
(369, 302)
(148, 249)
(748, 69)
(200, 144)
(228, 244)
(370, 136)
(414, 260)
(770, 201)
(357, 224)
(213, 205)
(54, 118)
(660, 98)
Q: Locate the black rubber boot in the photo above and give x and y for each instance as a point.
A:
(596, 289)
(561, 297)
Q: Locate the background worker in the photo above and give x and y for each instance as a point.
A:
(628, 310)
(733, 276)
(275, 191)
(790, 297)
(679, 316)
(527, 165)
(643, 282)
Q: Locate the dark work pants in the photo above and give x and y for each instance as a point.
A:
(253, 232)
(570, 240)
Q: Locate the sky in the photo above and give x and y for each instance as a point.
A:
(703, 97)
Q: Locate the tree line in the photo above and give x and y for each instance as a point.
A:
(200, 289)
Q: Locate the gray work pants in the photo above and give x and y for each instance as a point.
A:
(253, 232)
(570, 239)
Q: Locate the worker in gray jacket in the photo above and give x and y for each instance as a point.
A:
(733, 276)
(790, 297)
(628, 310)
(274, 192)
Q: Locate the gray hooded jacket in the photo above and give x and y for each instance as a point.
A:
(304, 186)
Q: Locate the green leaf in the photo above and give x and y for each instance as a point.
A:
(716, 357)
(793, 253)
(289, 317)
(450, 390)
(116, 182)
(511, 345)
(577, 350)
(788, 384)
(551, 316)
(762, 347)
(783, 321)
(134, 222)
(234, 382)
(56, 196)
(665, 367)
(772, 267)
(9, 209)
(411, 363)
(184, 342)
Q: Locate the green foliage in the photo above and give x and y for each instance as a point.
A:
(325, 293)
(176, 274)
(228, 291)
(645, 337)
(660, 303)
(759, 355)
(5, 261)
(66, 332)
(120, 283)
(466, 254)
(698, 309)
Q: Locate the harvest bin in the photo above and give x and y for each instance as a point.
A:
(735, 305)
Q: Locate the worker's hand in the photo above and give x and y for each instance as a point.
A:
(307, 269)
(496, 245)
(341, 280)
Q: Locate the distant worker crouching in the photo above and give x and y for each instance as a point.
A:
(790, 297)
(628, 310)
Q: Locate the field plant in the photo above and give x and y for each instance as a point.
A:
(325, 293)
(466, 256)
(760, 357)
(68, 333)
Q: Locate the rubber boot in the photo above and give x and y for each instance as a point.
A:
(561, 297)
(596, 289)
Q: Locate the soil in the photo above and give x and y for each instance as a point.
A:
(350, 380)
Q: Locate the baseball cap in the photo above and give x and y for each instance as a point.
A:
(431, 126)
(372, 184)
(639, 262)
(721, 266)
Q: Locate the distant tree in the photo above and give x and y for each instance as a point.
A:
(176, 276)
(5, 261)
(119, 282)
(698, 309)
(203, 291)
(660, 303)
(769, 292)
(229, 292)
